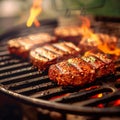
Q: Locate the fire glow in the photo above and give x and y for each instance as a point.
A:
(105, 43)
(35, 11)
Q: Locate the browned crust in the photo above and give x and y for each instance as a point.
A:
(43, 58)
(81, 70)
(22, 46)
(67, 74)
(108, 66)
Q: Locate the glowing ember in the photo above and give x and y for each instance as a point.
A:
(97, 95)
(60, 96)
(34, 13)
(100, 106)
(92, 87)
(117, 102)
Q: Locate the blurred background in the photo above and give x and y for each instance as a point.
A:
(14, 12)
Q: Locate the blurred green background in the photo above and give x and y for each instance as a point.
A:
(110, 8)
(14, 12)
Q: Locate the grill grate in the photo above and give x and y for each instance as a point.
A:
(19, 79)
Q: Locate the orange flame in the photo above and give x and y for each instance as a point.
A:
(35, 11)
(97, 95)
(87, 31)
(103, 42)
(104, 47)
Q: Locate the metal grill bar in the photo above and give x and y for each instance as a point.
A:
(14, 66)
(8, 62)
(16, 79)
(16, 72)
(28, 82)
(35, 88)
(102, 100)
(80, 96)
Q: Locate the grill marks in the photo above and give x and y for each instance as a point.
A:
(100, 63)
(23, 45)
(44, 56)
(74, 71)
(54, 50)
(81, 70)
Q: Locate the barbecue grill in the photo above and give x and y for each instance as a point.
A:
(20, 80)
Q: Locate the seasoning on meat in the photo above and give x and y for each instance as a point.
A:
(81, 70)
(44, 56)
(21, 46)
(74, 71)
(106, 66)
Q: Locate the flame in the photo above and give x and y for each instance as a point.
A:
(87, 31)
(105, 48)
(105, 43)
(97, 95)
(35, 11)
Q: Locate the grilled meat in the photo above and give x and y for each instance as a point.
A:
(22, 46)
(80, 70)
(74, 71)
(69, 33)
(106, 66)
(44, 56)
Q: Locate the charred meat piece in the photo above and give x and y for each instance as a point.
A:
(74, 71)
(44, 56)
(69, 33)
(80, 70)
(101, 62)
(22, 46)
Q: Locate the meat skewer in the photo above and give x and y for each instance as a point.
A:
(80, 70)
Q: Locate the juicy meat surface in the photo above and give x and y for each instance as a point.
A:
(74, 71)
(44, 56)
(21, 46)
(106, 66)
(81, 70)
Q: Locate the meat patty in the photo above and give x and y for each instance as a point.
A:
(69, 33)
(44, 56)
(74, 71)
(108, 66)
(21, 46)
(80, 70)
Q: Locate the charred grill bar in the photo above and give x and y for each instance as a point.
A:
(18, 79)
